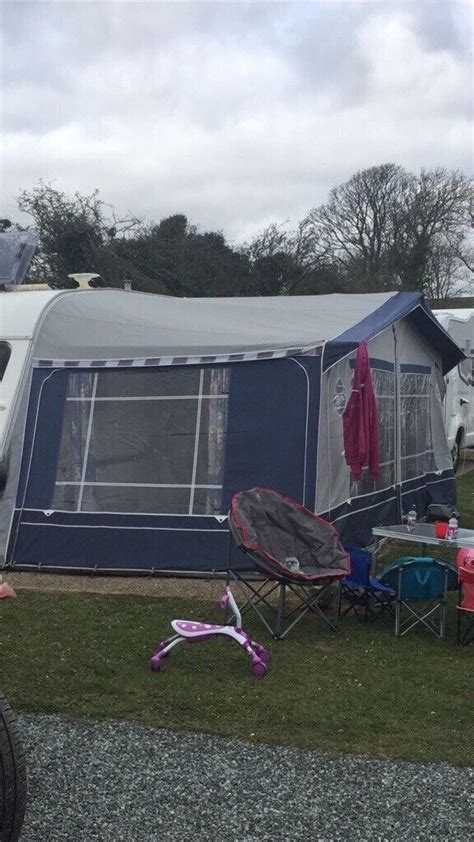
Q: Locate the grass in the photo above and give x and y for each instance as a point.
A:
(361, 691)
(465, 502)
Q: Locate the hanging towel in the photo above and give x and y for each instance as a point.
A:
(361, 420)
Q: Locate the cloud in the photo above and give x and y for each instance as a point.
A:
(235, 114)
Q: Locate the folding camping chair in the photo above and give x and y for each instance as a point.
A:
(465, 565)
(294, 552)
(361, 590)
(423, 582)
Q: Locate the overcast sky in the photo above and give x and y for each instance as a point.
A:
(236, 114)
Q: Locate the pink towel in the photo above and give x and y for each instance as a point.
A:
(361, 420)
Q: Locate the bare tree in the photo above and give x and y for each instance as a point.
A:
(445, 275)
(284, 262)
(356, 226)
(434, 215)
(383, 227)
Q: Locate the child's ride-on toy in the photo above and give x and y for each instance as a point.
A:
(188, 631)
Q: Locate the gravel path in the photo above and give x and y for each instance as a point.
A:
(124, 782)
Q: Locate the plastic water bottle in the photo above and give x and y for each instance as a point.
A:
(452, 532)
(411, 519)
(292, 564)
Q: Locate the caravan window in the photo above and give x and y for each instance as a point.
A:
(143, 441)
(5, 353)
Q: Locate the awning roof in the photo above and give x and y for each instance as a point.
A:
(94, 325)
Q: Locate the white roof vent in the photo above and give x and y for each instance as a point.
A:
(83, 279)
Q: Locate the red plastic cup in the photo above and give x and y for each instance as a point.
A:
(441, 529)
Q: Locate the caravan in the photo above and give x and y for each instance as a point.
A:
(136, 417)
(459, 397)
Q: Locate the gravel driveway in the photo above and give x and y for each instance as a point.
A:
(124, 782)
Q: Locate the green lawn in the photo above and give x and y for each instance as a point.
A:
(466, 500)
(359, 691)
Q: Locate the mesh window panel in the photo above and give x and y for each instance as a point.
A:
(73, 441)
(211, 450)
(207, 501)
(384, 388)
(130, 431)
(66, 498)
(415, 425)
(80, 384)
(138, 383)
(142, 442)
(113, 498)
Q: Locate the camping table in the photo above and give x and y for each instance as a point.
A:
(424, 533)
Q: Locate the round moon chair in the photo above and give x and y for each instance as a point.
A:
(295, 553)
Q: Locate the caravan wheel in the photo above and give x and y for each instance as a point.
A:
(12, 776)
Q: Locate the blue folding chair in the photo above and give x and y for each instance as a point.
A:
(360, 590)
(422, 582)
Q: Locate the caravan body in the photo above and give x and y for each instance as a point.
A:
(459, 397)
(20, 314)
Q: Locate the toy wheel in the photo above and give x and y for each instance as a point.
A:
(264, 654)
(155, 663)
(259, 669)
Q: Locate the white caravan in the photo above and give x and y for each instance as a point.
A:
(20, 313)
(459, 398)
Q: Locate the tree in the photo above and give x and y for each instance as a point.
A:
(445, 274)
(283, 263)
(190, 263)
(382, 228)
(433, 223)
(78, 234)
(83, 233)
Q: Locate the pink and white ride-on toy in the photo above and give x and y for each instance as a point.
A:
(188, 631)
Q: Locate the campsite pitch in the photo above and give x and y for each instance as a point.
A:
(360, 691)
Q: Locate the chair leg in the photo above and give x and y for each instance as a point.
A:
(281, 608)
(443, 609)
(459, 613)
(398, 610)
(339, 604)
(256, 596)
(442, 619)
(355, 600)
(398, 605)
(469, 636)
